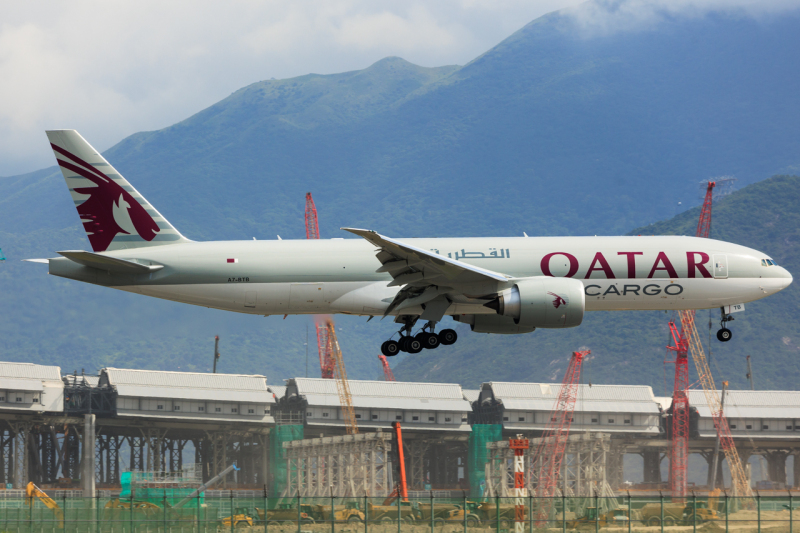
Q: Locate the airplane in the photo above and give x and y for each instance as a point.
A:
(503, 285)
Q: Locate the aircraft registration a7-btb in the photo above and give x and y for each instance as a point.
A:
(496, 285)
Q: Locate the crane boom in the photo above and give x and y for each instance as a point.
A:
(550, 452)
(738, 476)
(679, 448)
(312, 222)
(342, 385)
(387, 370)
(326, 361)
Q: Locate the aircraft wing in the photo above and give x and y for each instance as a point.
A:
(417, 269)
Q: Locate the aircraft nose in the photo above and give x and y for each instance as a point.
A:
(785, 277)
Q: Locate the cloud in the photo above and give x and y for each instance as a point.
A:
(602, 17)
(110, 69)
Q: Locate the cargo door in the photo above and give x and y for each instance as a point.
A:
(250, 299)
(721, 266)
(306, 297)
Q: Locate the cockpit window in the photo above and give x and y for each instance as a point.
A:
(768, 262)
(763, 262)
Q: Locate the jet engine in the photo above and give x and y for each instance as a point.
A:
(542, 302)
(493, 324)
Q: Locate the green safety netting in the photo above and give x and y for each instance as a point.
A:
(157, 495)
(477, 456)
(278, 436)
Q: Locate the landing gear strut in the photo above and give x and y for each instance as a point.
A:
(724, 334)
(426, 338)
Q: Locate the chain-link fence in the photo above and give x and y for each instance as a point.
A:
(231, 511)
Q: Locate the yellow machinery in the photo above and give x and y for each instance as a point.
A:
(240, 518)
(343, 387)
(32, 491)
(741, 486)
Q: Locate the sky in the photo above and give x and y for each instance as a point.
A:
(112, 68)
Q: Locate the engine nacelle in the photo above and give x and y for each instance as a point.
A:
(542, 302)
(503, 325)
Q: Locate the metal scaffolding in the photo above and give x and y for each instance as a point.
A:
(584, 472)
(347, 465)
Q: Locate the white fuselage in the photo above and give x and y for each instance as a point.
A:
(339, 275)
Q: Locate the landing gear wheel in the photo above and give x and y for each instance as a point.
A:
(724, 335)
(403, 343)
(448, 337)
(413, 345)
(390, 348)
(428, 340)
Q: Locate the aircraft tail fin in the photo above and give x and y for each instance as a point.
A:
(114, 215)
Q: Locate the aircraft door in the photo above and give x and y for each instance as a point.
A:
(306, 297)
(721, 266)
(250, 299)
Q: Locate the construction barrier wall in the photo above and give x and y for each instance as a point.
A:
(255, 513)
(481, 435)
(277, 459)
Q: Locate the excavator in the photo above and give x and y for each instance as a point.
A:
(32, 491)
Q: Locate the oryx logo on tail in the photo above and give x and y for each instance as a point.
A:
(113, 213)
(110, 209)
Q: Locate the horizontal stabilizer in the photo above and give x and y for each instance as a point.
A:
(112, 264)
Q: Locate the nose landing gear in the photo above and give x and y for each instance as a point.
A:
(724, 334)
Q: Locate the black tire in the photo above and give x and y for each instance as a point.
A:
(473, 521)
(354, 520)
(438, 522)
(429, 341)
(505, 524)
(413, 345)
(669, 521)
(403, 343)
(724, 335)
(390, 348)
(654, 521)
(448, 337)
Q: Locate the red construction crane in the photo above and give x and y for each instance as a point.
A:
(312, 226)
(326, 359)
(704, 224)
(550, 452)
(387, 370)
(679, 450)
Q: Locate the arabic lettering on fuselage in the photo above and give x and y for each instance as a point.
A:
(504, 253)
(698, 264)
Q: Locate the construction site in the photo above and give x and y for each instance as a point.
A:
(144, 450)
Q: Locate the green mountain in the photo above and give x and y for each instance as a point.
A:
(629, 347)
(553, 131)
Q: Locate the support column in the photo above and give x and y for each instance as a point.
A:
(21, 432)
(796, 478)
(776, 464)
(652, 466)
(709, 457)
(88, 466)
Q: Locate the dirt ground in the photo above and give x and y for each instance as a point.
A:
(739, 522)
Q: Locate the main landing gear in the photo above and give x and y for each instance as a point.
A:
(724, 334)
(416, 343)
